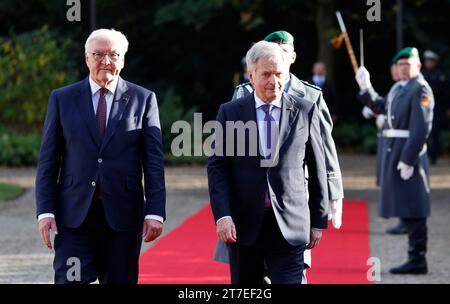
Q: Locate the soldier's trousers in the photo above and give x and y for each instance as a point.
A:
(417, 238)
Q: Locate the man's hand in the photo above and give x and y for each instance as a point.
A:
(336, 213)
(45, 225)
(406, 171)
(363, 79)
(151, 230)
(314, 239)
(226, 231)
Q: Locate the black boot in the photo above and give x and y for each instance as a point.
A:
(412, 266)
(399, 229)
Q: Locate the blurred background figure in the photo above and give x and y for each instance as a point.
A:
(437, 81)
(319, 78)
(242, 76)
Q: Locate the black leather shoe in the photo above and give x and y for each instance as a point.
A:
(399, 229)
(411, 267)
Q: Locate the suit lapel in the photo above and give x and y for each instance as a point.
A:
(288, 114)
(120, 101)
(246, 113)
(84, 101)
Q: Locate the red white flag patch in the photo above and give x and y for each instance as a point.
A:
(425, 101)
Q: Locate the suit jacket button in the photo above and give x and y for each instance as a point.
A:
(389, 149)
(93, 184)
(100, 160)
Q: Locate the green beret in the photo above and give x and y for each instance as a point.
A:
(409, 52)
(281, 37)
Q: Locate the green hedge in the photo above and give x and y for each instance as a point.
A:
(18, 149)
(356, 137)
(9, 192)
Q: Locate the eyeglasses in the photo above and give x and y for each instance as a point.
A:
(100, 56)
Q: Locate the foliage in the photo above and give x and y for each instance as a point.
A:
(18, 149)
(170, 111)
(445, 142)
(32, 64)
(356, 137)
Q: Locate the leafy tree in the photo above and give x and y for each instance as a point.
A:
(32, 64)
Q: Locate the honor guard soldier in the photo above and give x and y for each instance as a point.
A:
(404, 180)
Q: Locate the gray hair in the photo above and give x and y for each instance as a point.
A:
(112, 35)
(263, 49)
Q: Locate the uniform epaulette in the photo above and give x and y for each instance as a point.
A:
(243, 85)
(311, 85)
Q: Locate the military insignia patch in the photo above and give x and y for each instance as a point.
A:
(425, 101)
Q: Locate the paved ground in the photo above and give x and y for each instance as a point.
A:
(23, 259)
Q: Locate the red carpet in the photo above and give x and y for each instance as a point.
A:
(342, 254)
(184, 256)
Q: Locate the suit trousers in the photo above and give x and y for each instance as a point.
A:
(284, 261)
(96, 251)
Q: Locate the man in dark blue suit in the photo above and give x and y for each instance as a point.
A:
(100, 136)
(259, 200)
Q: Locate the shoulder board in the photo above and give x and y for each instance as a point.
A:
(244, 85)
(311, 85)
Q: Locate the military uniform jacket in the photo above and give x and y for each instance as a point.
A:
(313, 94)
(409, 115)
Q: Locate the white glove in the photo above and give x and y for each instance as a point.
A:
(363, 79)
(380, 121)
(406, 171)
(335, 213)
(367, 112)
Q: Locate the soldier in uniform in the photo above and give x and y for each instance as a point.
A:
(437, 82)
(404, 180)
(379, 121)
(312, 93)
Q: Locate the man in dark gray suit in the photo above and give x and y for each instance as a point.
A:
(404, 181)
(259, 201)
(295, 86)
(313, 94)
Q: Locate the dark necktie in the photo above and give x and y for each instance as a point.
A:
(101, 124)
(268, 119)
(101, 113)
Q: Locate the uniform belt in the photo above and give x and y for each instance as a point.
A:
(392, 133)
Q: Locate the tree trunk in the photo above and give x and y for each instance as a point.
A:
(325, 22)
